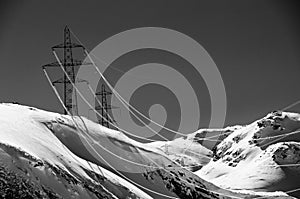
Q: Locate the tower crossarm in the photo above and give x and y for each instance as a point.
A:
(68, 45)
(75, 63)
(103, 93)
(107, 107)
(61, 81)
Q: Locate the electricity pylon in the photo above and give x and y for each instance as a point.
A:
(69, 78)
(105, 107)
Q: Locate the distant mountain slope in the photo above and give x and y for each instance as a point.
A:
(48, 155)
(195, 150)
(259, 156)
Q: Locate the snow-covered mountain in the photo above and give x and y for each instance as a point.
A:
(48, 155)
(262, 156)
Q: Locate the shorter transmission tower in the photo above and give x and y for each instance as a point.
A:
(105, 107)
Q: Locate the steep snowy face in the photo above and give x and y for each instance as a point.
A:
(259, 156)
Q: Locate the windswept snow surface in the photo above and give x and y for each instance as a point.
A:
(48, 155)
(262, 156)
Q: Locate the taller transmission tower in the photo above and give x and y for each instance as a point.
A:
(69, 64)
(105, 107)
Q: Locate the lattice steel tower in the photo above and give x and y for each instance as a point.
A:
(105, 107)
(69, 64)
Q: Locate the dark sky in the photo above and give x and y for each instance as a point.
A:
(255, 45)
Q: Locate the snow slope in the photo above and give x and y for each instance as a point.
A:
(35, 164)
(48, 155)
(259, 156)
